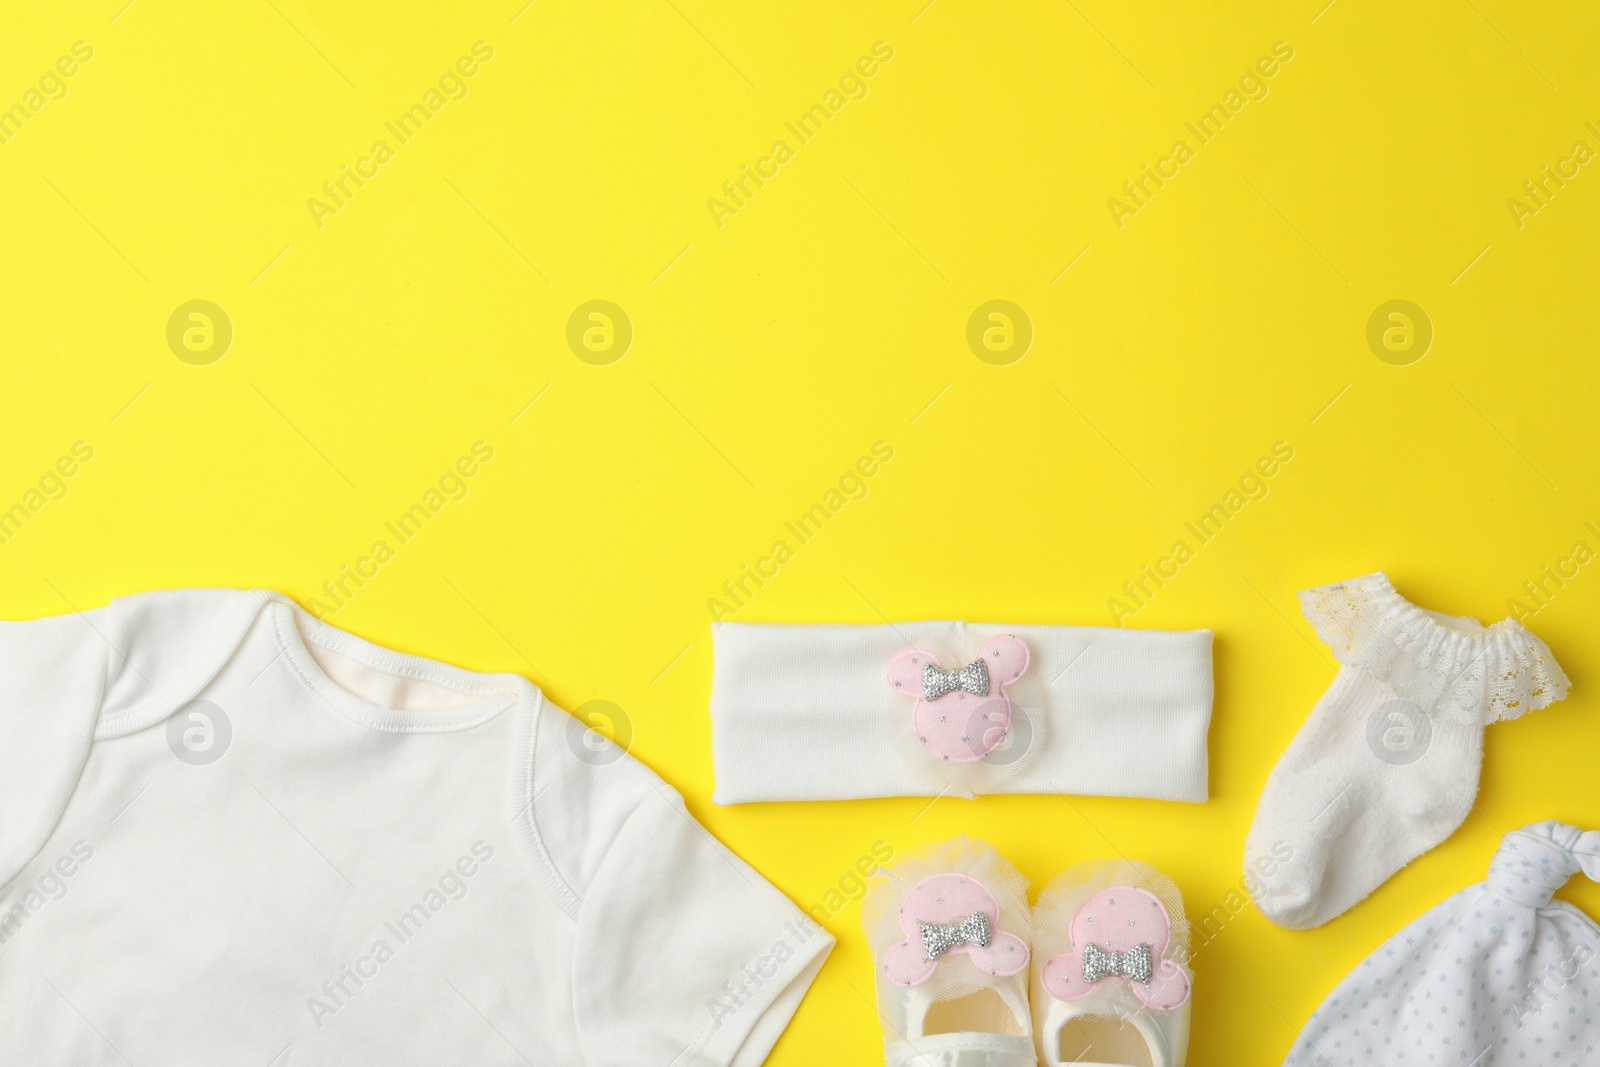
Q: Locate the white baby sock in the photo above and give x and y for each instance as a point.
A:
(1387, 765)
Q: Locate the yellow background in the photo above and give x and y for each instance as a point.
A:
(828, 313)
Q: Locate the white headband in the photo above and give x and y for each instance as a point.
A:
(922, 708)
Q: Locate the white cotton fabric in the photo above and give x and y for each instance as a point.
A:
(806, 712)
(1386, 766)
(1498, 975)
(391, 861)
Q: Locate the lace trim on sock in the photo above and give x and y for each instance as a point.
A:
(1454, 668)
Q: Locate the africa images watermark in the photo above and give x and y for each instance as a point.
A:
(51, 486)
(1253, 485)
(451, 486)
(1139, 191)
(1547, 987)
(599, 732)
(199, 733)
(852, 486)
(737, 192)
(1206, 927)
(337, 192)
(1537, 592)
(851, 886)
(1538, 191)
(44, 889)
(50, 87)
(349, 979)
(741, 989)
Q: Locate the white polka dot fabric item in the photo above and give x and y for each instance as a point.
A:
(1498, 974)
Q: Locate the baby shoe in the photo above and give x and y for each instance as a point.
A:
(1110, 979)
(949, 931)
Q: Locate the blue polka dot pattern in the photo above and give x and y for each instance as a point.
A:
(1497, 975)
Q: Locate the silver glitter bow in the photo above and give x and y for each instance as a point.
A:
(974, 678)
(938, 938)
(1136, 963)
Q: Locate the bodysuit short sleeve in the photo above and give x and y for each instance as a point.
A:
(682, 953)
(52, 678)
(64, 677)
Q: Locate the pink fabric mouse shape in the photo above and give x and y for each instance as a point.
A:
(961, 715)
(1120, 932)
(946, 915)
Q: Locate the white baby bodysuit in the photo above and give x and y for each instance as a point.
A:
(233, 834)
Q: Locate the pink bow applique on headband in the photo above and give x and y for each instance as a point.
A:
(964, 714)
(1124, 933)
(946, 915)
